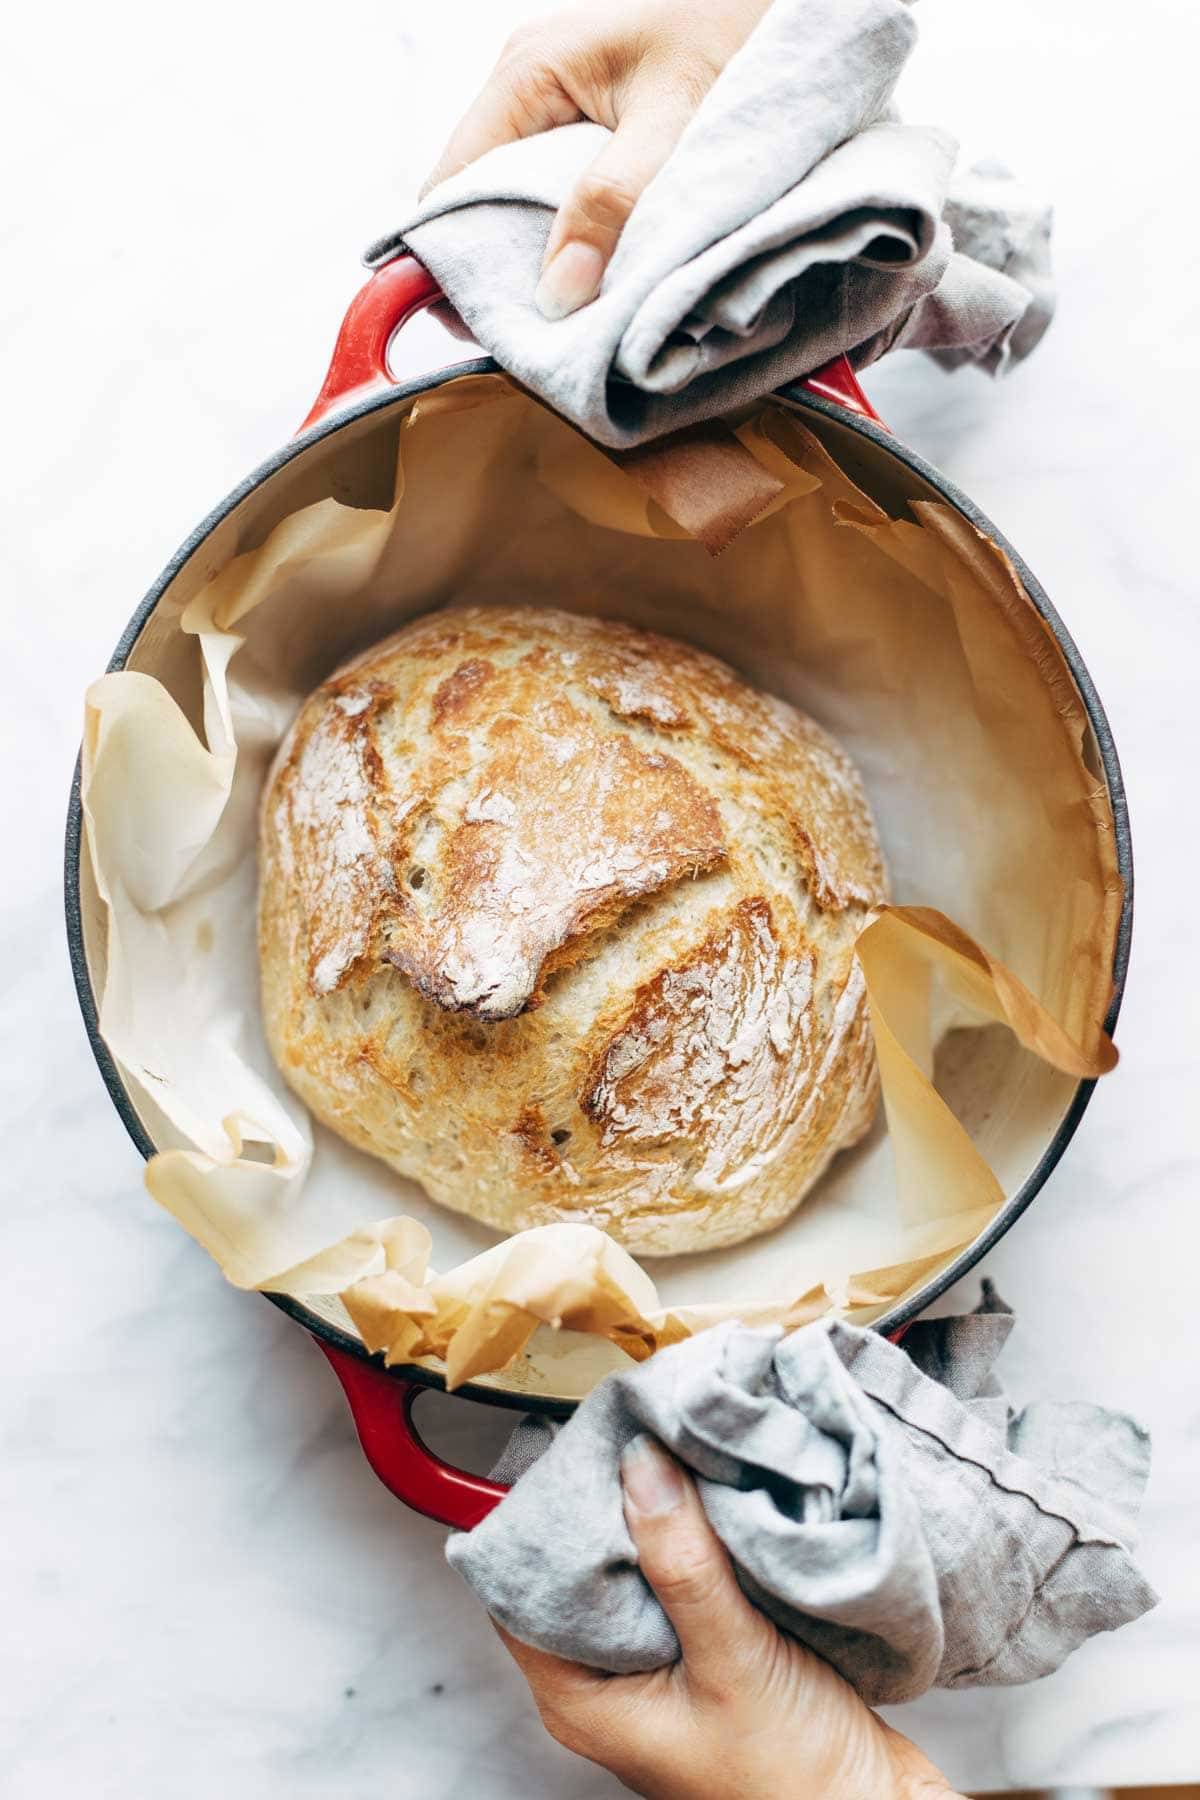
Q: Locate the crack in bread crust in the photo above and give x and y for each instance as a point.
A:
(557, 916)
(558, 825)
(713, 1048)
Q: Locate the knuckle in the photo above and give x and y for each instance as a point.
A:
(520, 41)
(685, 1570)
(694, 80)
(682, 81)
(605, 65)
(522, 63)
(604, 201)
(543, 79)
(534, 93)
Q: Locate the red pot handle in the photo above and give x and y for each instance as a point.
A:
(382, 1405)
(403, 287)
(359, 361)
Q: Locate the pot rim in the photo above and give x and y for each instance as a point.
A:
(800, 400)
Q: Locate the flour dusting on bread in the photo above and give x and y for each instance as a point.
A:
(557, 916)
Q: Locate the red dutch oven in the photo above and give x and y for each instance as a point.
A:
(358, 384)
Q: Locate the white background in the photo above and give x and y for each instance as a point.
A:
(204, 1588)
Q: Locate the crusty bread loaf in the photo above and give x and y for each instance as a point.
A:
(557, 917)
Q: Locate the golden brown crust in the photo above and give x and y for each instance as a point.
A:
(731, 1011)
(558, 917)
(556, 827)
(339, 814)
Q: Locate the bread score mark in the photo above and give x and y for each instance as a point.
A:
(458, 693)
(525, 843)
(554, 828)
(546, 823)
(715, 1050)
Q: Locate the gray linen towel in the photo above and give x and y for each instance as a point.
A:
(796, 218)
(883, 1505)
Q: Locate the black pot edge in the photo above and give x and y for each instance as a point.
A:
(804, 402)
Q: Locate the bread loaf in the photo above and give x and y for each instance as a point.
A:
(557, 917)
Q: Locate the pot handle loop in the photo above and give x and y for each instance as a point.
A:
(359, 361)
(382, 1405)
(404, 286)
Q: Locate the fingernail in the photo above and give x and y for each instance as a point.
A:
(652, 1480)
(569, 280)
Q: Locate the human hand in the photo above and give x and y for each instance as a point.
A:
(641, 67)
(746, 1712)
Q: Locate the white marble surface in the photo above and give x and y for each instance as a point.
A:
(205, 1588)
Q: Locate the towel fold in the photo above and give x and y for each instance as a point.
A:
(796, 218)
(883, 1505)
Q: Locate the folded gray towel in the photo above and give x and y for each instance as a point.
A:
(881, 1504)
(796, 218)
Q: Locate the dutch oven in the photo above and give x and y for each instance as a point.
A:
(357, 394)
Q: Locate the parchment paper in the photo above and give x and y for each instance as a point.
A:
(910, 639)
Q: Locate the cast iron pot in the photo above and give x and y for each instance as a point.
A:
(357, 386)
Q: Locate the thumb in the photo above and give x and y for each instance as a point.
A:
(590, 220)
(686, 1565)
